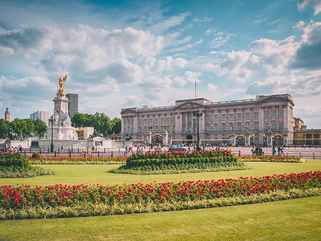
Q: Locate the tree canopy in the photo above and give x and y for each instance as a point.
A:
(103, 125)
(22, 128)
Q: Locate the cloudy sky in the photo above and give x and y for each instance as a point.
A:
(132, 53)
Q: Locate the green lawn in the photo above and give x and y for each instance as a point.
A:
(285, 220)
(99, 174)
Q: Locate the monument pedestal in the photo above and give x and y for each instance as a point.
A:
(60, 124)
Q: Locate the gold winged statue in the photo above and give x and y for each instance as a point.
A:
(61, 84)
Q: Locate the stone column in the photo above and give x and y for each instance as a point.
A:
(135, 126)
(122, 127)
(178, 124)
(261, 124)
(202, 125)
(285, 118)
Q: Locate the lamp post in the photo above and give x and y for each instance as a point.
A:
(197, 114)
(268, 131)
(51, 139)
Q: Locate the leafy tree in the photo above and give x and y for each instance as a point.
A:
(102, 125)
(22, 128)
(100, 121)
(115, 124)
(82, 120)
(4, 129)
(40, 128)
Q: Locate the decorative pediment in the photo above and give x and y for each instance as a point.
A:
(189, 105)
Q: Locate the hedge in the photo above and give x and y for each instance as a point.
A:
(159, 163)
(15, 166)
(285, 159)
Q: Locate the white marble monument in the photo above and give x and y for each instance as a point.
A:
(60, 124)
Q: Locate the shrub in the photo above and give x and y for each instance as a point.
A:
(171, 163)
(13, 160)
(15, 165)
(267, 158)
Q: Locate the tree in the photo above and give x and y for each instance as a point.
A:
(82, 120)
(21, 128)
(40, 128)
(115, 125)
(4, 129)
(100, 121)
(102, 125)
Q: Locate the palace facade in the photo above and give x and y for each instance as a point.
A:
(263, 120)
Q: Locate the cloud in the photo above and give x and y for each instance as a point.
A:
(169, 22)
(18, 87)
(12, 41)
(271, 66)
(263, 58)
(125, 72)
(92, 49)
(99, 61)
(219, 38)
(315, 4)
(5, 51)
(309, 52)
(212, 87)
(202, 20)
(260, 88)
(239, 65)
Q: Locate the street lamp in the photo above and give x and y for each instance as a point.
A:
(51, 141)
(197, 114)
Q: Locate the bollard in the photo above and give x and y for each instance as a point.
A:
(239, 152)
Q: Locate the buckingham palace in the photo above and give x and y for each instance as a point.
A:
(264, 120)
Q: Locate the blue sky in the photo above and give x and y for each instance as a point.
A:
(132, 53)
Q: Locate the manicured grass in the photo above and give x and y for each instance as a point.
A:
(72, 174)
(285, 220)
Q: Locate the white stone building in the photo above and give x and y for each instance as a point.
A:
(262, 120)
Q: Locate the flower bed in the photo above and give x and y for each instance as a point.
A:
(14, 165)
(86, 198)
(101, 209)
(77, 160)
(168, 155)
(266, 158)
(153, 163)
